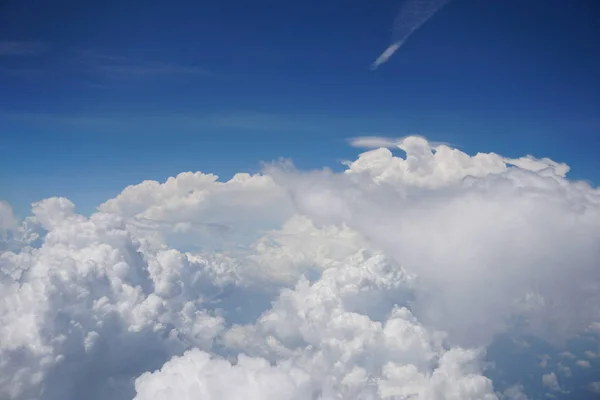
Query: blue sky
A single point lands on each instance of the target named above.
(99, 95)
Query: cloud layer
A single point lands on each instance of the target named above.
(385, 281)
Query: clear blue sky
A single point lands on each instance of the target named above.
(98, 95)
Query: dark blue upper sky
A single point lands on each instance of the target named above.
(98, 95)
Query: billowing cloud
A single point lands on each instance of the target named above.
(350, 331)
(491, 239)
(194, 206)
(196, 375)
(385, 281)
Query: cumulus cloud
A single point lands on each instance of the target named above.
(87, 311)
(563, 369)
(490, 240)
(385, 281)
(591, 354)
(328, 339)
(514, 393)
(567, 354)
(551, 382)
(594, 387)
(196, 375)
(583, 363)
(196, 210)
(544, 360)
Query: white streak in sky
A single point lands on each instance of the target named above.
(386, 55)
(412, 15)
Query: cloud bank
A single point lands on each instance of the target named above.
(385, 281)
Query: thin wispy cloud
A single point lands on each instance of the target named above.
(148, 70)
(375, 142)
(90, 65)
(22, 48)
(117, 66)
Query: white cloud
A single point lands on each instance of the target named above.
(196, 375)
(563, 369)
(591, 354)
(488, 240)
(373, 142)
(583, 363)
(594, 387)
(384, 281)
(88, 311)
(544, 360)
(12, 233)
(117, 66)
(385, 56)
(195, 209)
(530, 163)
(8, 222)
(514, 393)
(551, 382)
(567, 354)
(424, 166)
(347, 331)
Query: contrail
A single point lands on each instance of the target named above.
(386, 55)
(412, 15)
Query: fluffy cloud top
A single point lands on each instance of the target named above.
(385, 281)
(87, 311)
(193, 205)
(196, 376)
(490, 240)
